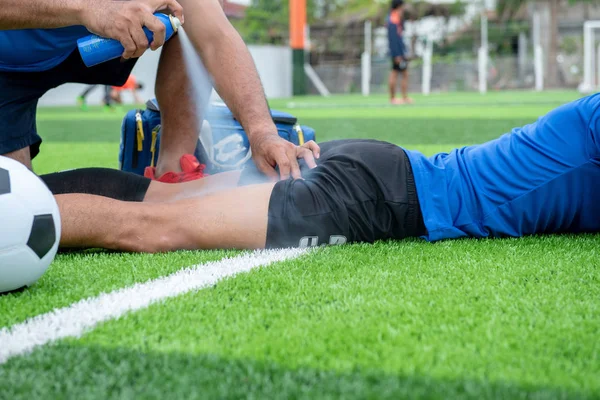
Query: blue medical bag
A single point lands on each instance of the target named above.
(222, 142)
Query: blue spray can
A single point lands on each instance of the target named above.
(95, 49)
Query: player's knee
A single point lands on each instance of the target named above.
(139, 240)
(161, 243)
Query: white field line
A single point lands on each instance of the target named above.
(81, 317)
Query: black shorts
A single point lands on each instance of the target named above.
(399, 66)
(20, 92)
(361, 191)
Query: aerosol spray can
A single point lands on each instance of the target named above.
(95, 49)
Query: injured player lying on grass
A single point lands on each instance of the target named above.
(541, 178)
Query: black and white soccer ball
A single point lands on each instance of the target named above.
(29, 226)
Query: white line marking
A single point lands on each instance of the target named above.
(81, 317)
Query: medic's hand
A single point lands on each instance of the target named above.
(308, 151)
(124, 20)
(270, 150)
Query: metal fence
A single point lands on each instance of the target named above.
(504, 73)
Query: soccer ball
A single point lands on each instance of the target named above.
(29, 226)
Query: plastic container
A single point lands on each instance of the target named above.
(95, 49)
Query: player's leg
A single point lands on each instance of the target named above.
(393, 80)
(126, 186)
(159, 192)
(542, 177)
(87, 91)
(82, 98)
(234, 218)
(362, 191)
(111, 73)
(118, 210)
(22, 155)
(110, 96)
(404, 85)
(136, 94)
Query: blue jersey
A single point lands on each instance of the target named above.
(395, 28)
(34, 50)
(541, 178)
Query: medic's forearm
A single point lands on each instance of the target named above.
(28, 14)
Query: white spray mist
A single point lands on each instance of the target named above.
(202, 86)
(199, 77)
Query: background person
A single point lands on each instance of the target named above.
(132, 86)
(395, 28)
(82, 98)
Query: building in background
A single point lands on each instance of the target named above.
(563, 58)
(234, 10)
(337, 42)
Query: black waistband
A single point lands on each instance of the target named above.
(415, 224)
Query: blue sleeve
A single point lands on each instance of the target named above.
(395, 41)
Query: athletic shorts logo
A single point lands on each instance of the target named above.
(309, 241)
(313, 241)
(337, 240)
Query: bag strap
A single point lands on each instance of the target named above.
(285, 120)
(152, 105)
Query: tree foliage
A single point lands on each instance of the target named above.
(267, 21)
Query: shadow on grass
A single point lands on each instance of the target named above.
(84, 251)
(15, 291)
(77, 371)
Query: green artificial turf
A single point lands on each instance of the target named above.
(58, 156)
(78, 275)
(514, 318)
(453, 99)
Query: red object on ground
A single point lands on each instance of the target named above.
(191, 170)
